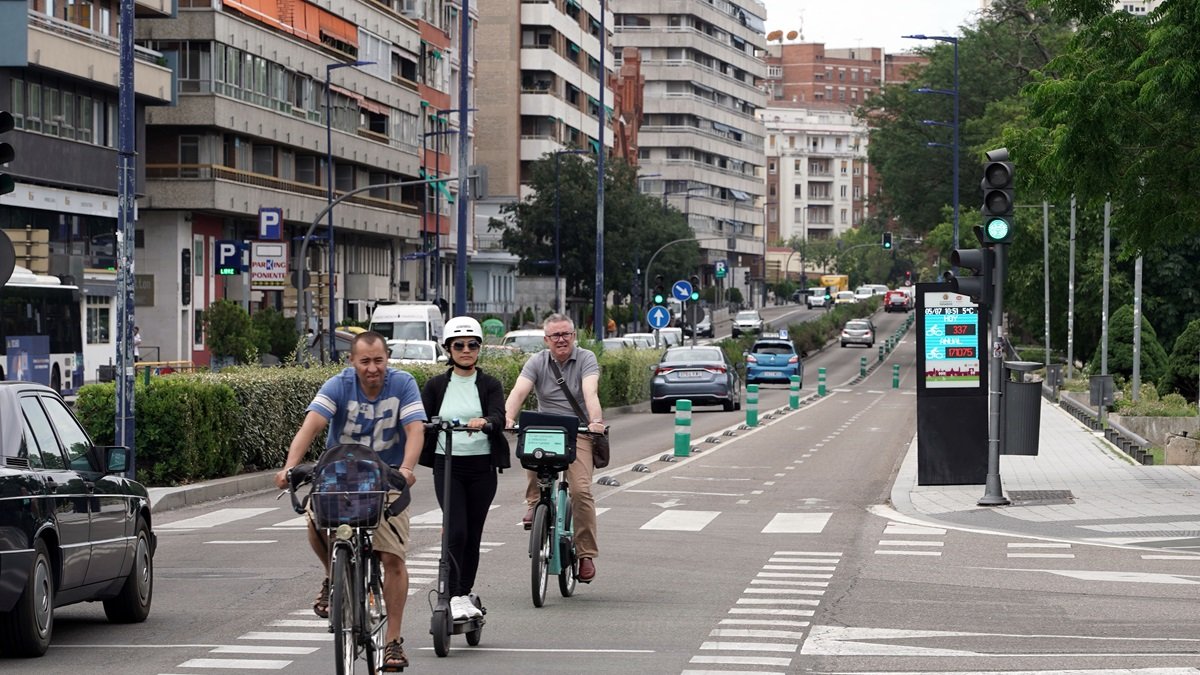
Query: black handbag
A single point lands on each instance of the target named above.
(600, 449)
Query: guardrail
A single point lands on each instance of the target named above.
(1130, 443)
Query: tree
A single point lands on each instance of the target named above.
(1120, 347)
(1183, 366)
(228, 331)
(635, 225)
(274, 333)
(1115, 116)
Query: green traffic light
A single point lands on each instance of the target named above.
(997, 229)
(658, 299)
(695, 296)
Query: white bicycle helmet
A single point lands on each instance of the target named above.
(462, 326)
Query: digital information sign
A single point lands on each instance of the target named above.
(950, 326)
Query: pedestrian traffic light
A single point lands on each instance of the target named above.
(997, 198)
(978, 286)
(659, 296)
(695, 288)
(887, 241)
(7, 184)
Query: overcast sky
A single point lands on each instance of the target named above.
(869, 23)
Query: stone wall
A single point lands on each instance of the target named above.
(1159, 430)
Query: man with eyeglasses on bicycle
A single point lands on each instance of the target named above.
(379, 407)
(581, 373)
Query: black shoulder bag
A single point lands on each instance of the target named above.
(599, 441)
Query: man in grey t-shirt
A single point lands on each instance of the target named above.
(581, 374)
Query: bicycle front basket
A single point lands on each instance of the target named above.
(545, 448)
(349, 487)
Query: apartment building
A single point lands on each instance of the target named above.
(540, 73)
(59, 67)
(249, 132)
(702, 139)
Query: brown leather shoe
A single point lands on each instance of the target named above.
(527, 521)
(587, 570)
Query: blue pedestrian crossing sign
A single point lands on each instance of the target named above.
(682, 290)
(658, 317)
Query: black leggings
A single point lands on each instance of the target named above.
(472, 488)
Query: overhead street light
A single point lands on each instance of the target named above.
(329, 68)
(953, 125)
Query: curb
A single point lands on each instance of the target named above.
(169, 498)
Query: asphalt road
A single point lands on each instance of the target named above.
(773, 550)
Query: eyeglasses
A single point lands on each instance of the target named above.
(472, 345)
(560, 337)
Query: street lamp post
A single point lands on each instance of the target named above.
(598, 300)
(954, 125)
(558, 226)
(437, 189)
(329, 68)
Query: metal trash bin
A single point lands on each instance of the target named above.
(106, 373)
(1021, 411)
(1100, 390)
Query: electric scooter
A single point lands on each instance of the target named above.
(442, 625)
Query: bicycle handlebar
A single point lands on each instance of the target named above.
(439, 424)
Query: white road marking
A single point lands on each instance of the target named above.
(906, 552)
(242, 541)
(906, 542)
(297, 522)
(1040, 544)
(791, 575)
(763, 622)
(299, 623)
(236, 664)
(1041, 555)
(802, 561)
(778, 601)
(854, 641)
(797, 523)
(780, 475)
(730, 672)
(836, 554)
(1168, 557)
(264, 649)
(743, 501)
(787, 582)
(738, 661)
(218, 517)
(896, 528)
(769, 482)
(681, 520)
(784, 591)
(1126, 577)
(291, 637)
(689, 492)
(770, 612)
(749, 646)
(746, 633)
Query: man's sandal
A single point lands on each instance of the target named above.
(394, 659)
(321, 604)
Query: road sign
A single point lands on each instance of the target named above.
(720, 269)
(658, 317)
(268, 266)
(269, 220)
(228, 258)
(681, 290)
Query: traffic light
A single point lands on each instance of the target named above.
(978, 286)
(7, 184)
(659, 297)
(746, 277)
(695, 288)
(908, 277)
(887, 241)
(997, 198)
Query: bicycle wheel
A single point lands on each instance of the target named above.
(439, 627)
(474, 635)
(375, 624)
(539, 553)
(341, 611)
(568, 577)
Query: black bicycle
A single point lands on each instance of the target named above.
(357, 612)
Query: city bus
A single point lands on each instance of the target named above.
(41, 306)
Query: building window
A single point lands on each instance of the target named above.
(843, 216)
(771, 166)
(17, 102)
(99, 312)
(797, 166)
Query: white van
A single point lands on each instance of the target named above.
(408, 321)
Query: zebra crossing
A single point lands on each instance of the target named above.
(768, 623)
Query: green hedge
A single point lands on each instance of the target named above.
(194, 427)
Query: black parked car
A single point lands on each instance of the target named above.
(72, 527)
(700, 374)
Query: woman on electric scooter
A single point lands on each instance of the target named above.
(466, 393)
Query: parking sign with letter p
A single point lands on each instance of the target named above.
(270, 222)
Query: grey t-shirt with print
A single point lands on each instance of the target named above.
(550, 396)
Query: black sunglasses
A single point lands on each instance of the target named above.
(472, 345)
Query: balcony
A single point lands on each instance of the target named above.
(208, 187)
(72, 50)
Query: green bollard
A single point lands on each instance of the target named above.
(820, 381)
(145, 376)
(895, 376)
(881, 352)
(794, 392)
(683, 428)
(752, 405)
(862, 366)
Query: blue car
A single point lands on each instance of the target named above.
(773, 359)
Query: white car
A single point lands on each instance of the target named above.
(405, 352)
(863, 293)
(642, 340)
(614, 343)
(529, 341)
(747, 321)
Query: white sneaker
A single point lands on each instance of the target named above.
(458, 608)
(472, 610)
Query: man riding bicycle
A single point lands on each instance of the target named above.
(379, 407)
(581, 374)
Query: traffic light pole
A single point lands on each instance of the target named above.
(993, 494)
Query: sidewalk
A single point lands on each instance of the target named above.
(1112, 500)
